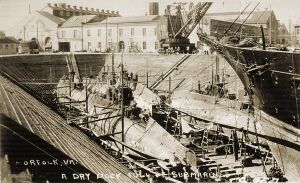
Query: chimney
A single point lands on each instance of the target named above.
(113, 12)
(81, 7)
(49, 4)
(97, 10)
(107, 11)
(74, 7)
(69, 6)
(117, 12)
(62, 5)
(102, 11)
(92, 9)
(86, 8)
(55, 5)
(153, 8)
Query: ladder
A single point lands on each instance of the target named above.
(72, 65)
(205, 141)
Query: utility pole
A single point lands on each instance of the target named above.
(118, 38)
(37, 32)
(81, 36)
(24, 32)
(106, 32)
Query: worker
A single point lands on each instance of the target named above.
(235, 145)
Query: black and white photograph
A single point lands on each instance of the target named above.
(149, 91)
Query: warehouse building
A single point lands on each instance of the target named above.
(128, 34)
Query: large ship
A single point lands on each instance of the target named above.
(271, 78)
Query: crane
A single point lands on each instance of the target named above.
(180, 29)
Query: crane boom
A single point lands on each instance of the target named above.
(195, 15)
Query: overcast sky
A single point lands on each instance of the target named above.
(12, 11)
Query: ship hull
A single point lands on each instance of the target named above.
(271, 78)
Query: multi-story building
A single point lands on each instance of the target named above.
(70, 34)
(65, 11)
(131, 34)
(7, 45)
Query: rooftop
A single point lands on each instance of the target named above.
(76, 21)
(259, 17)
(7, 40)
(51, 17)
(66, 7)
(128, 19)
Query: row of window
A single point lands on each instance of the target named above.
(132, 44)
(6, 46)
(68, 13)
(121, 31)
(76, 33)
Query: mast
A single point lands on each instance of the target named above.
(270, 31)
(246, 19)
(122, 103)
(234, 21)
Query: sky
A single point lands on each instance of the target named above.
(13, 11)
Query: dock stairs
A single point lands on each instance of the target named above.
(165, 75)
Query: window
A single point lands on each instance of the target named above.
(75, 33)
(109, 32)
(63, 34)
(61, 13)
(88, 33)
(144, 31)
(11, 46)
(110, 45)
(68, 14)
(99, 45)
(6, 46)
(132, 32)
(144, 45)
(298, 31)
(156, 45)
(132, 44)
(99, 32)
(89, 45)
(155, 31)
(120, 32)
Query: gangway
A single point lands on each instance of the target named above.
(72, 65)
(164, 76)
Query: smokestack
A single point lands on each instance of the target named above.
(153, 8)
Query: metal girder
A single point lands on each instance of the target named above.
(93, 121)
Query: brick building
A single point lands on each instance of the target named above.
(265, 18)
